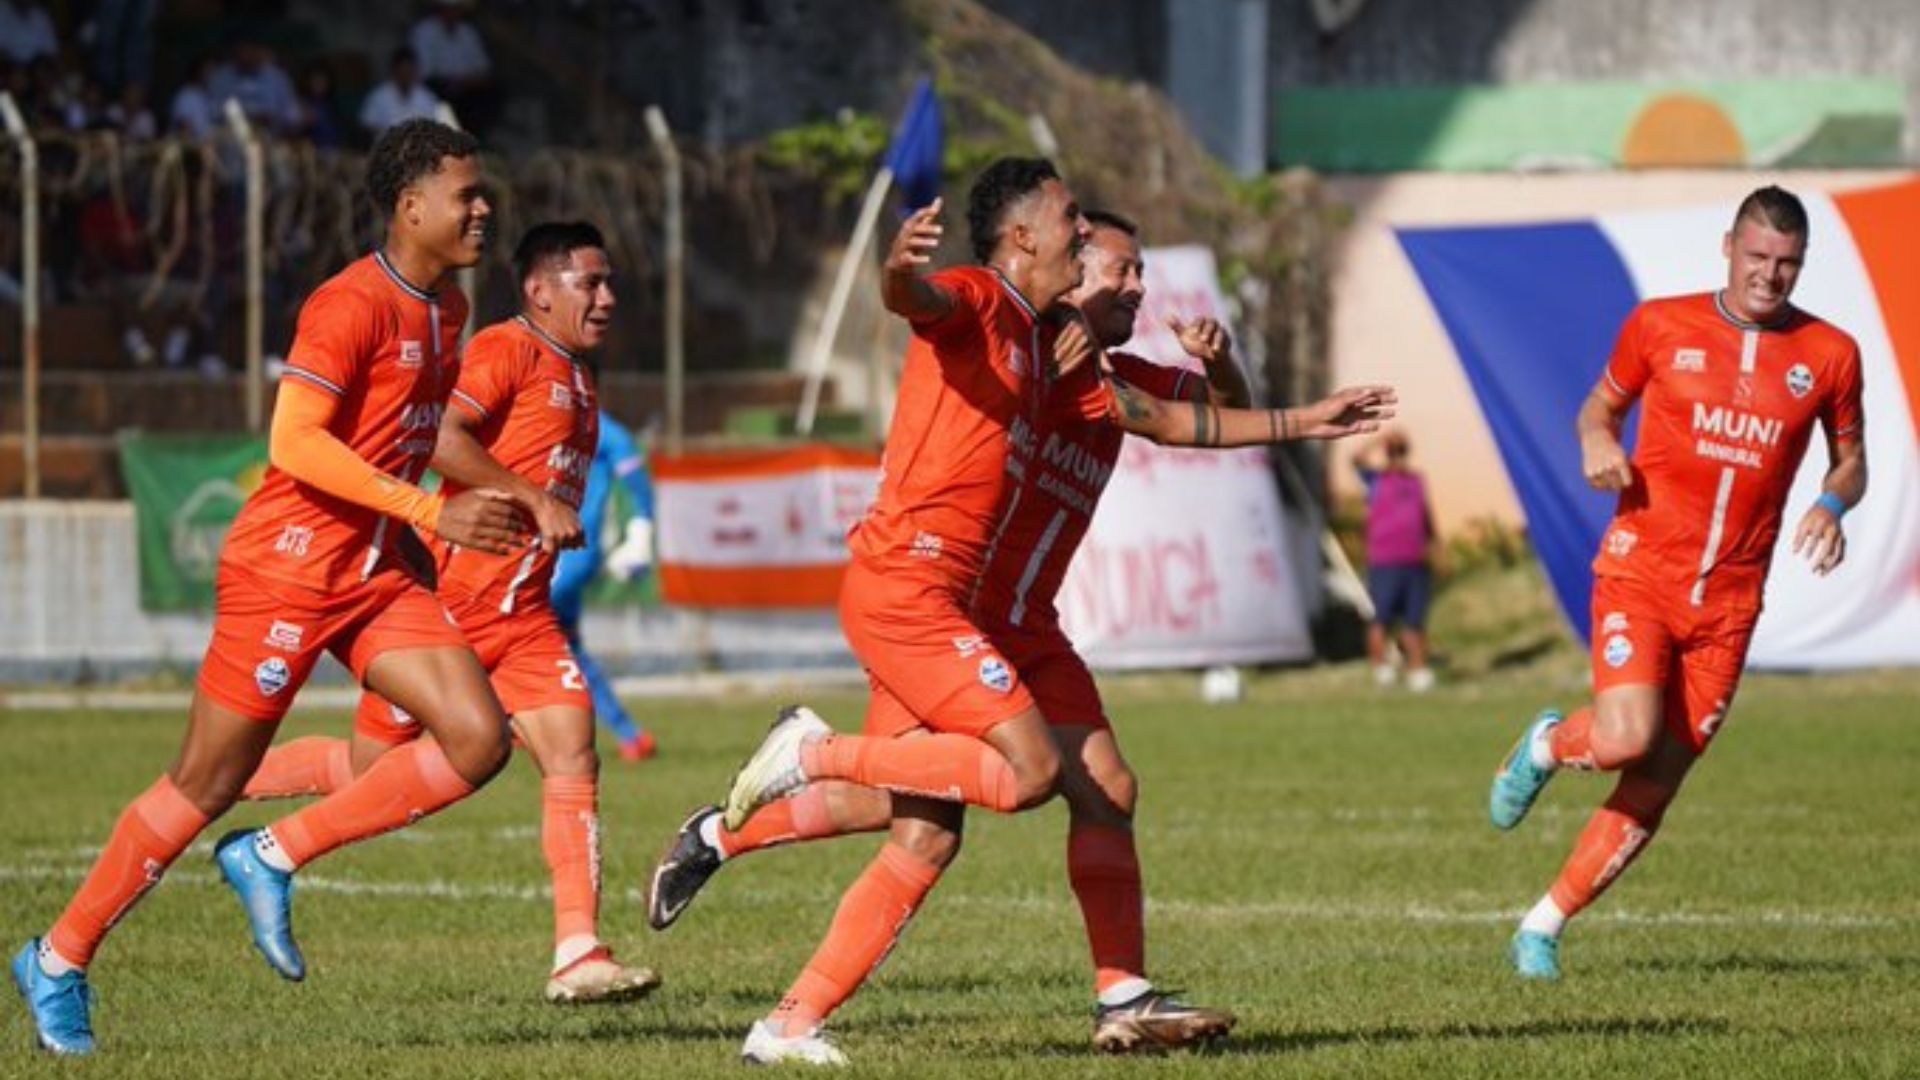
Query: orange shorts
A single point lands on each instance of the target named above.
(1643, 637)
(928, 665)
(1056, 676)
(527, 660)
(268, 635)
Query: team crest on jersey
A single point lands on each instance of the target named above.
(285, 636)
(995, 675)
(1619, 650)
(412, 354)
(1620, 542)
(272, 676)
(1799, 380)
(1690, 360)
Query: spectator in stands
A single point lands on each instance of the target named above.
(129, 114)
(455, 64)
(260, 84)
(319, 118)
(194, 112)
(402, 97)
(1399, 576)
(26, 32)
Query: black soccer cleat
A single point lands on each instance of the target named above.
(684, 869)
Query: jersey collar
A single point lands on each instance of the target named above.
(1720, 305)
(1014, 291)
(406, 286)
(553, 344)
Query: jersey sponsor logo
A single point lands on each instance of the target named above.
(1620, 542)
(412, 354)
(968, 645)
(1076, 461)
(1690, 360)
(285, 636)
(271, 676)
(294, 540)
(1618, 651)
(1614, 623)
(925, 546)
(1743, 390)
(559, 395)
(1736, 425)
(995, 675)
(1799, 380)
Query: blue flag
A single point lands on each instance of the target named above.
(917, 151)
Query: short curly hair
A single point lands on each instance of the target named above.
(999, 186)
(408, 151)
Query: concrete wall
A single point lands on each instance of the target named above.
(1384, 330)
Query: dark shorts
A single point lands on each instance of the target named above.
(1400, 595)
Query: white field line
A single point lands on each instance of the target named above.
(1291, 911)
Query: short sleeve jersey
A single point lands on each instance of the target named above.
(1058, 487)
(539, 417)
(967, 395)
(1727, 410)
(390, 352)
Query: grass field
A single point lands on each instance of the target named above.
(1317, 857)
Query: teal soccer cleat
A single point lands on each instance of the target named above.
(1535, 955)
(1518, 782)
(61, 1004)
(267, 896)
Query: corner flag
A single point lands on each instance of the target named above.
(917, 150)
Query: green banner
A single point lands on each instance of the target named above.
(186, 491)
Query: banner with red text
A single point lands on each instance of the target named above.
(758, 528)
(1187, 563)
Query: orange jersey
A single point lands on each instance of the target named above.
(970, 386)
(1057, 489)
(390, 353)
(539, 418)
(1727, 409)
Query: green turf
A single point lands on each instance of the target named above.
(1318, 859)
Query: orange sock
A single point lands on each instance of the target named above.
(152, 832)
(405, 785)
(1616, 835)
(805, 816)
(570, 837)
(872, 914)
(951, 767)
(315, 765)
(1105, 871)
(1572, 741)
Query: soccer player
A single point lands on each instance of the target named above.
(618, 457)
(309, 567)
(524, 420)
(1732, 383)
(1049, 512)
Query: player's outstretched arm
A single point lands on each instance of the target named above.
(1207, 341)
(1356, 410)
(1819, 536)
(458, 456)
(1603, 461)
(902, 289)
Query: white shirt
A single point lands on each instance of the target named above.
(449, 52)
(25, 32)
(387, 105)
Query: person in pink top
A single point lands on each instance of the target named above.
(1399, 573)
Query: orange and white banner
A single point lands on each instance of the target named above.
(759, 528)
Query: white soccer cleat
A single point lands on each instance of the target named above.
(774, 770)
(811, 1047)
(597, 977)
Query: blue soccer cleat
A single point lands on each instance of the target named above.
(1535, 955)
(1518, 782)
(267, 896)
(61, 1004)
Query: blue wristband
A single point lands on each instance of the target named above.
(1831, 503)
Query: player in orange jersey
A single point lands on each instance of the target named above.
(525, 420)
(1058, 478)
(308, 567)
(1731, 385)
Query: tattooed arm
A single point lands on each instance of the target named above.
(1353, 411)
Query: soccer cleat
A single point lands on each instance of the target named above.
(597, 978)
(1518, 781)
(688, 863)
(774, 769)
(641, 747)
(1156, 1021)
(811, 1047)
(1535, 955)
(61, 1005)
(267, 896)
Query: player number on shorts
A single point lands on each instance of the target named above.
(570, 678)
